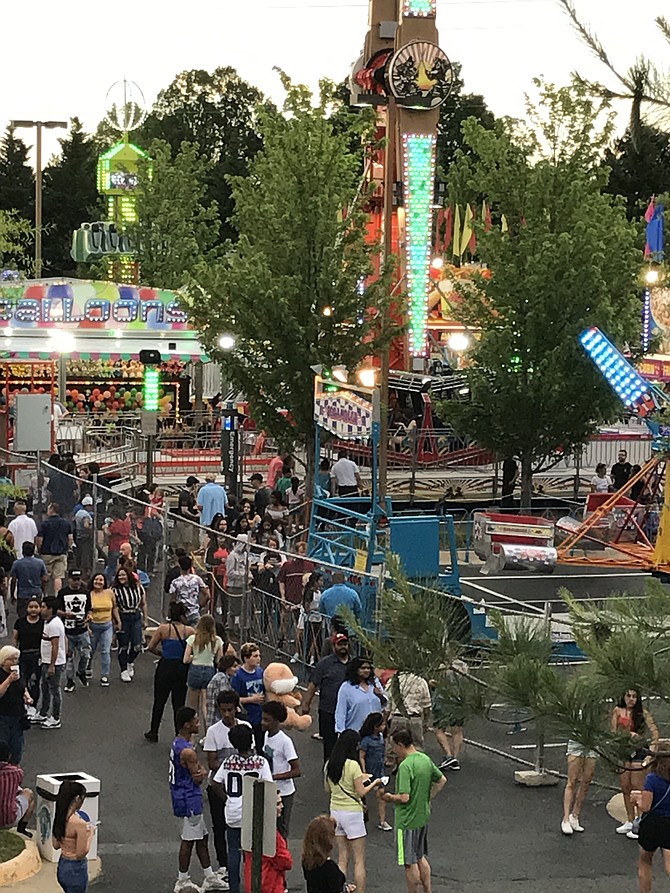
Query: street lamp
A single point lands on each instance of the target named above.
(38, 125)
(227, 342)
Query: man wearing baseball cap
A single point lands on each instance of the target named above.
(83, 528)
(187, 534)
(327, 676)
(74, 603)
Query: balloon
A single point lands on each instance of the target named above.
(115, 404)
(74, 393)
(133, 391)
(80, 405)
(107, 395)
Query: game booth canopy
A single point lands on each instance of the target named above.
(100, 327)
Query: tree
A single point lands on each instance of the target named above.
(70, 198)
(301, 249)
(16, 236)
(639, 168)
(17, 195)
(218, 112)
(177, 228)
(566, 260)
(458, 108)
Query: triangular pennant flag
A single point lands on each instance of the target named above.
(448, 229)
(467, 229)
(503, 224)
(486, 214)
(457, 232)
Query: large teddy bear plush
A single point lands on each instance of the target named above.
(280, 684)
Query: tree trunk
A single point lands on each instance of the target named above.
(526, 482)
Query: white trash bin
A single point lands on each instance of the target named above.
(46, 792)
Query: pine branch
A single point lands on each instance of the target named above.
(592, 42)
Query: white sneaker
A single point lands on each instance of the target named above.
(625, 828)
(131, 670)
(567, 828)
(295, 658)
(30, 711)
(574, 822)
(632, 835)
(38, 717)
(51, 723)
(125, 676)
(214, 882)
(186, 886)
(223, 874)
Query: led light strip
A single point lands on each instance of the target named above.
(646, 319)
(419, 8)
(418, 155)
(625, 380)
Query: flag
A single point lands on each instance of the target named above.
(503, 224)
(448, 229)
(467, 230)
(486, 217)
(457, 232)
(655, 247)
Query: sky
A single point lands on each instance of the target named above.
(60, 59)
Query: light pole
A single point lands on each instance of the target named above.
(38, 125)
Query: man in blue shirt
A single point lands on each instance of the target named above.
(212, 500)
(28, 578)
(248, 683)
(53, 540)
(337, 596)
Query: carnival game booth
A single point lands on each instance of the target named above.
(98, 330)
(514, 542)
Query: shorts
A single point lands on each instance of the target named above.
(412, 845)
(199, 677)
(638, 756)
(349, 824)
(654, 833)
(21, 806)
(56, 565)
(193, 827)
(575, 749)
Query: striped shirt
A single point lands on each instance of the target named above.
(11, 778)
(129, 598)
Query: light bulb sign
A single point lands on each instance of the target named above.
(152, 380)
(343, 413)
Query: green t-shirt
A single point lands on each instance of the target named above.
(416, 775)
(343, 795)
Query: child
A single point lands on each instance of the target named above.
(273, 876)
(280, 753)
(371, 756)
(321, 873)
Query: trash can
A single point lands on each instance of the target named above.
(46, 791)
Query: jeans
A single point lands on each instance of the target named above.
(129, 638)
(112, 564)
(84, 552)
(29, 667)
(12, 734)
(101, 634)
(217, 811)
(72, 875)
(170, 679)
(79, 653)
(51, 693)
(234, 839)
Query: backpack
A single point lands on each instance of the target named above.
(7, 554)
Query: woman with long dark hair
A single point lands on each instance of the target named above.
(630, 717)
(347, 785)
(359, 695)
(72, 835)
(169, 642)
(131, 601)
(654, 803)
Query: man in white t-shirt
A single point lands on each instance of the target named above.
(227, 783)
(22, 527)
(217, 748)
(53, 657)
(345, 476)
(280, 753)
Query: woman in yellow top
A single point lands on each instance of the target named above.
(347, 785)
(103, 618)
(204, 649)
(72, 835)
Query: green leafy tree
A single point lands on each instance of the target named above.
(458, 108)
(16, 237)
(639, 168)
(567, 260)
(70, 198)
(217, 111)
(17, 180)
(301, 250)
(177, 232)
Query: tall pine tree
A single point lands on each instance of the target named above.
(70, 198)
(17, 192)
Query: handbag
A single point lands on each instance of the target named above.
(366, 816)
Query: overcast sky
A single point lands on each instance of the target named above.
(59, 59)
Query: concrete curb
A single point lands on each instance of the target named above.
(45, 881)
(21, 867)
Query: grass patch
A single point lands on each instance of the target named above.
(10, 846)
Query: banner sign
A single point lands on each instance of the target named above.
(343, 414)
(90, 306)
(656, 369)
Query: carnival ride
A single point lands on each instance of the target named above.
(616, 531)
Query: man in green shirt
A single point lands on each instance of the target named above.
(417, 782)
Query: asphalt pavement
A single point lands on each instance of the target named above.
(487, 833)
